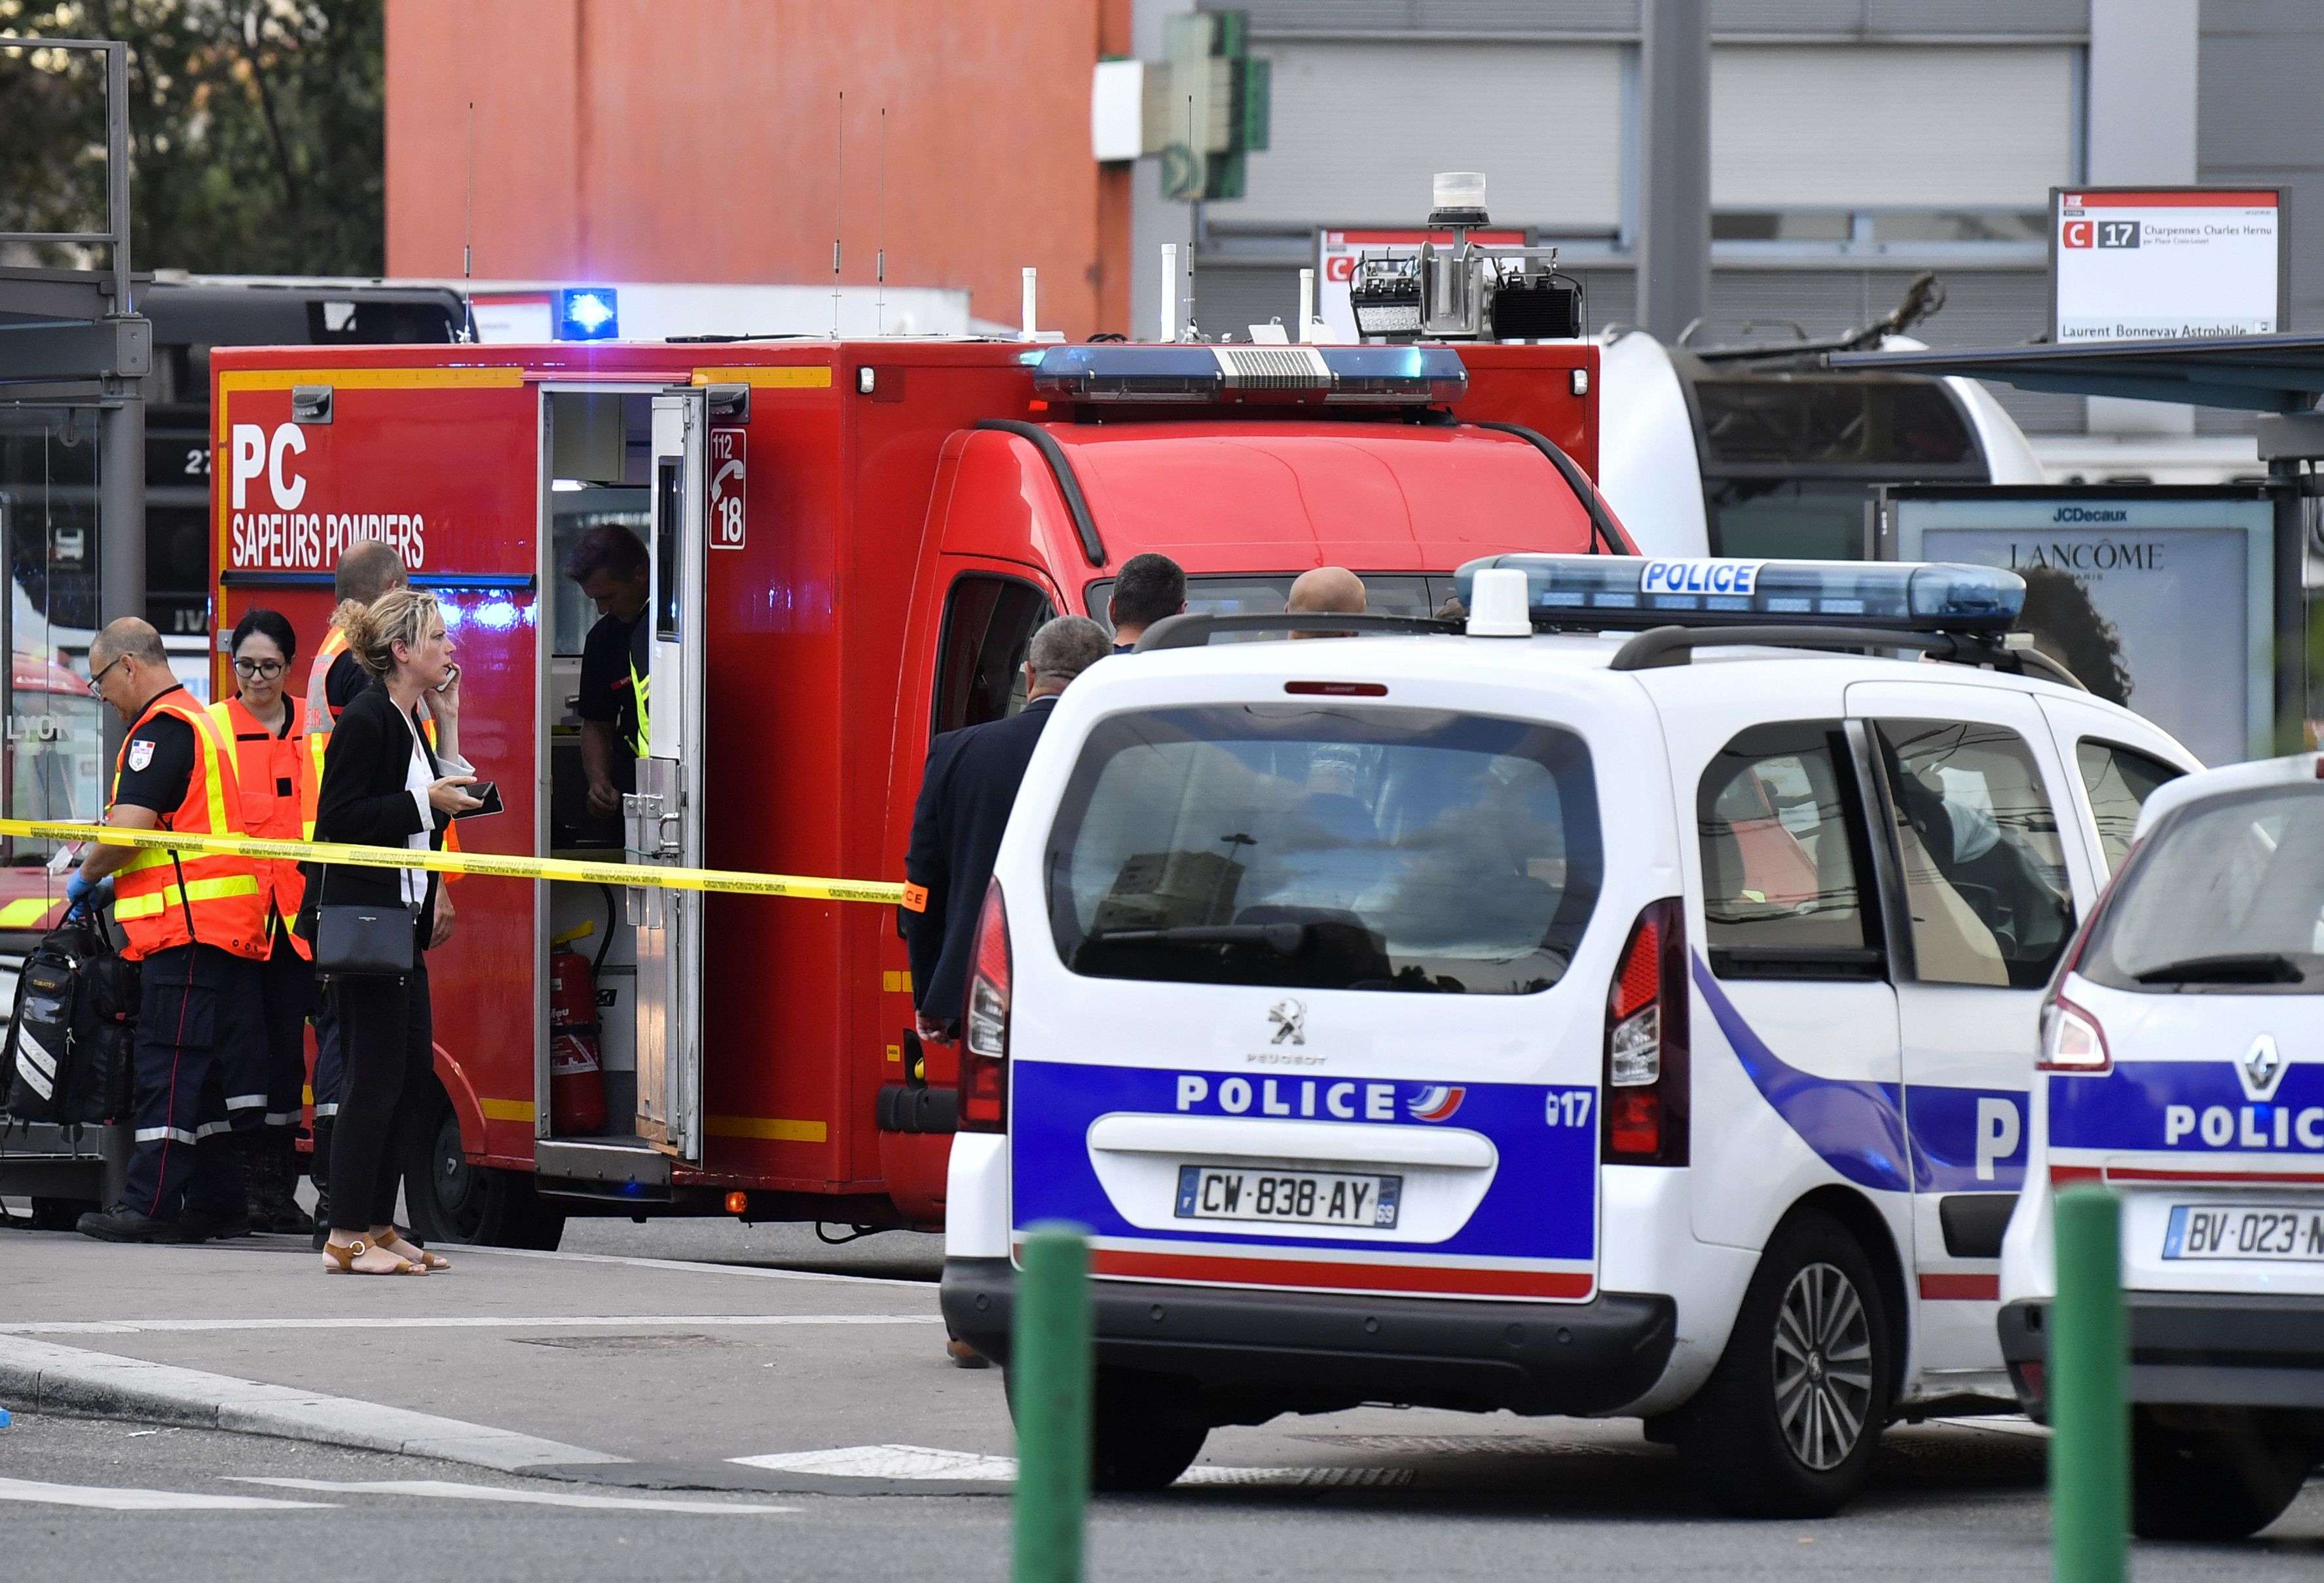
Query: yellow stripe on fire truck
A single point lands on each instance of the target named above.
(724, 881)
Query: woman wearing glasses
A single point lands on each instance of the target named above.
(280, 768)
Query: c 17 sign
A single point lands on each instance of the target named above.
(2165, 263)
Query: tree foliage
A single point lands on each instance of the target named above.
(258, 140)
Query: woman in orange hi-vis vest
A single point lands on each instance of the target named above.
(279, 765)
(197, 924)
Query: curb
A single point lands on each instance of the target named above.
(42, 1376)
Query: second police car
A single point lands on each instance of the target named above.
(1622, 1006)
(2182, 1066)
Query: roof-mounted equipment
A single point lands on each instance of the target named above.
(1465, 291)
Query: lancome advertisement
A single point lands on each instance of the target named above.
(2157, 598)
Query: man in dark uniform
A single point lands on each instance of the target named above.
(1150, 586)
(197, 925)
(616, 662)
(966, 792)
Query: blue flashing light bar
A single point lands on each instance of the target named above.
(1223, 376)
(1626, 591)
(587, 313)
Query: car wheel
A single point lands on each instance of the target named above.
(453, 1199)
(2225, 1480)
(1143, 1435)
(1788, 1422)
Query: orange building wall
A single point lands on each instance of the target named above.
(698, 140)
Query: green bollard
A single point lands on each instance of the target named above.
(1049, 1387)
(2089, 1445)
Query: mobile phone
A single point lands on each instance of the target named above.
(487, 792)
(450, 676)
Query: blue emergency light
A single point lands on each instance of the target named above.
(587, 313)
(1628, 591)
(1218, 375)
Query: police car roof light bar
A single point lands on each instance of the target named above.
(1613, 592)
(1219, 375)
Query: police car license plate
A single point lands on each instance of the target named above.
(2245, 1231)
(1305, 1197)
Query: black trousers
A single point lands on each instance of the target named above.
(387, 1030)
(199, 1045)
(287, 992)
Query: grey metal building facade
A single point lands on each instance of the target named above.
(1854, 143)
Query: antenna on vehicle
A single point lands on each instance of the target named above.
(879, 238)
(1193, 228)
(468, 219)
(838, 210)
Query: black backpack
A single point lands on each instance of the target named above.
(68, 1051)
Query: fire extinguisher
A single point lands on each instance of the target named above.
(576, 1085)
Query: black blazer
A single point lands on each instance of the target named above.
(966, 792)
(364, 802)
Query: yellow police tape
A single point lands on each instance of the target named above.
(727, 881)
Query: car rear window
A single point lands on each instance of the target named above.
(2227, 897)
(1326, 847)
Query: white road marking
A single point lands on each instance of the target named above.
(43, 1375)
(930, 1462)
(145, 1500)
(454, 1322)
(699, 1267)
(444, 1489)
(888, 1462)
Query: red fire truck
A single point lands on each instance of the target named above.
(852, 543)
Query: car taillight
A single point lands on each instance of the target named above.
(1645, 1099)
(2071, 1040)
(985, 1029)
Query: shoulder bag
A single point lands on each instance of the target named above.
(362, 939)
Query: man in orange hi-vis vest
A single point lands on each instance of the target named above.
(196, 926)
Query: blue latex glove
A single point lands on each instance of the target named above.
(78, 890)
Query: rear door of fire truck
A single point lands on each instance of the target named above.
(664, 816)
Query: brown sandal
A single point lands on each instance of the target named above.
(395, 1242)
(343, 1257)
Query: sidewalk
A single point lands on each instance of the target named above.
(602, 1361)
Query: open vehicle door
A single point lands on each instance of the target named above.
(664, 816)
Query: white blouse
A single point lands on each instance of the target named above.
(417, 779)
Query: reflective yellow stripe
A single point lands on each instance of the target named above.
(772, 1128)
(507, 1109)
(24, 912)
(200, 890)
(205, 730)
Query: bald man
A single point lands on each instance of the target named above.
(1328, 590)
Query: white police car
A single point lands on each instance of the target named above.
(2184, 1065)
(1546, 1021)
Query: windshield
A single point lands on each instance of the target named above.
(1260, 594)
(2226, 898)
(1326, 848)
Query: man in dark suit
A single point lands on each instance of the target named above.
(966, 792)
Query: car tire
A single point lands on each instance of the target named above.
(451, 1199)
(1143, 1434)
(1789, 1421)
(2227, 1480)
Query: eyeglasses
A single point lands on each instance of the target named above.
(265, 669)
(96, 682)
